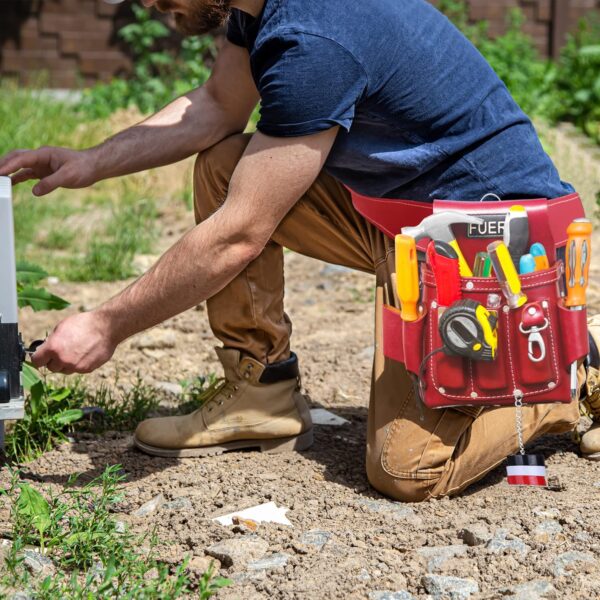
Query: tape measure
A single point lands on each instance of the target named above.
(468, 329)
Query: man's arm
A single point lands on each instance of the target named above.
(187, 126)
(269, 179)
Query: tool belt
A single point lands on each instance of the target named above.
(537, 343)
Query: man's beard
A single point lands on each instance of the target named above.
(201, 16)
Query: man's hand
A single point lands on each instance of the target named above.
(79, 344)
(54, 167)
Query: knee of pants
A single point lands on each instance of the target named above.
(212, 173)
(411, 488)
(403, 489)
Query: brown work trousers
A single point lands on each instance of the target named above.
(408, 458)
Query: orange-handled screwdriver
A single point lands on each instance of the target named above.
(578, 258)
(407, 276)
(579, 253)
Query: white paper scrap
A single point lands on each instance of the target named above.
(263, 513)
(320, 416)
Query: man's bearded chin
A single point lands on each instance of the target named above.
(201, 16)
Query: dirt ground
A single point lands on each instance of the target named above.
(346, 540)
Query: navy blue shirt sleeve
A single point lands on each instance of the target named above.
(307, 84)
(234, 30)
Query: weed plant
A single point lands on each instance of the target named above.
(94, 556)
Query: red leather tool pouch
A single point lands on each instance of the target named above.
(534, 353)
(531, 361)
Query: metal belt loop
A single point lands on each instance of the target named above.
(495, 196)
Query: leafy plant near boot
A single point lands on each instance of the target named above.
(198, 390)
(94, 555)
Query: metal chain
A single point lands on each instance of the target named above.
(519, 419)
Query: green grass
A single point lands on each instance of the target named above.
(79, 235)
(93, 556)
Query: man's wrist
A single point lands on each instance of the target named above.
(111, 325)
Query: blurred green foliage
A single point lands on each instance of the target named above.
(566, 90)
(158, 76)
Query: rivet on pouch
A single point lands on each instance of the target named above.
(474, 395)
(470, 285)
(442, 390)
(506, 308)
(545, 304)
(551, 385)
(434, 304)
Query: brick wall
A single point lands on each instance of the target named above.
(75, 41)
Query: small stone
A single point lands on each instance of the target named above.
(454, 588)
(21, 596)
(539, 589)
(547, 531)
(475, 534)
(238, 551)
(179, 504)
(149, 507)
(38, 564)
(564, 561)
(120, 527)
(273, 561)
(172, 389)
(97, 571)
(201, 564)
(396, 510)
(155, 339)
(546, 513)
(436, 556)
(363, 575)
(381, 595)
(53, 280)
(500, 544)
(151, 574)
(315, 538)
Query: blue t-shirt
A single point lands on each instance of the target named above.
(422, 114)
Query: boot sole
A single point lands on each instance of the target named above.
(594, 456)
(270, 446)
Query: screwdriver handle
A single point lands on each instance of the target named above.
(407, 276)
(578, 258)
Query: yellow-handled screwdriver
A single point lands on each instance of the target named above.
(578, 258)
(507, 275)
(407, 276)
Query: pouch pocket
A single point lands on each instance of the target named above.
(574, 334)
(447, 372)
(493, 375)
(534, 351)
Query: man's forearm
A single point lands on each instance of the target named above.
(186, 126)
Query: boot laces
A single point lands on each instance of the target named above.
(223, 391)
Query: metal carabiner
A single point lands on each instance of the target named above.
(535, 339)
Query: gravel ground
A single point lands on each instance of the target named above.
(345, 540)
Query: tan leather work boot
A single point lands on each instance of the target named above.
(257, 406)
(590, 441)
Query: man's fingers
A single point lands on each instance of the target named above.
(23, 175)
(5, 160)
(25, 160)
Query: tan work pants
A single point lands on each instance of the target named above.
(407, 458)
